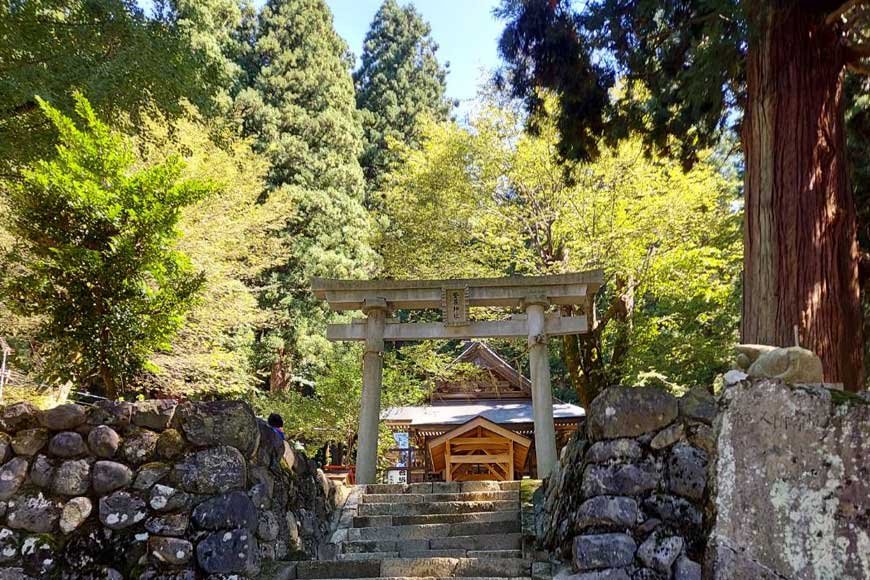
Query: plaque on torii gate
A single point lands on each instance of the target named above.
(532, 294)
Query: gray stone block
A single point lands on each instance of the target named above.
(619, 479)
(614, 449)
(603, 551)
(659, 552)
(629, 412)
(604, 510)
(687, 471)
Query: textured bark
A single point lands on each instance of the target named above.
(800, 252)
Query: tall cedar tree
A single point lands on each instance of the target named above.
(398, 82)
(302, 115)
(93, 253)
(214, 29)
(123, 61)
(782, 63)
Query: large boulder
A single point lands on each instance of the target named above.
(63, 417)
(155, 414)
(72, 477)
(603, 551)
(212, 471)
(698, 404)
(121, 510)
(687, 471)
(103, 441)
(12, 475)
(614, 449)
(18, 416)
(630, 411)
(139, 446)
(112, 413)
(170, 551)
(607, 511)
(29, 441)
(67, 444)
(659, 552)
(229, 552)
(619, 479)
(42, 471)
(74, 514)
(227, 511)
(230, 423)
(33, 513)
(111, 475)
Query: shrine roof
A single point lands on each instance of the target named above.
(499, 412)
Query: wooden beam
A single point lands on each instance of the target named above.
(447, 459)
(482, 459)
(554, 325)
(510, 473)
(560, 289)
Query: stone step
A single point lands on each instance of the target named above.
(433, 531)
(415, 568)
(443, 507)
(395, 498)
(442, 487)
(476, 517)
(494, 554)
(497, 542)
(454, 553)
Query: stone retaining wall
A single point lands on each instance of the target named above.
(766, 482)
(627, 501)
(153, 490)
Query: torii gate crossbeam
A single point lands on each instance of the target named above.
(533, 294)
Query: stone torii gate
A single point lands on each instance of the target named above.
(533, 294)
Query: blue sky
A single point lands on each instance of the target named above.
(465, 30)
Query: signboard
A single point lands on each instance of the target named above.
(454, 305)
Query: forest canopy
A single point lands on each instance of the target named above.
(171, 180)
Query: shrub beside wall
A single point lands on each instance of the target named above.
(153, 490)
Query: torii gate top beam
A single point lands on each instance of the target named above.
(558, 289)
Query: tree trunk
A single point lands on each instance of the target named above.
(800, 250)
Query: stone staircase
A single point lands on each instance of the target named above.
(428, 530)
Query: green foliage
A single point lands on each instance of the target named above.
(330, 413)
(667, 239)
(227, 237)
(689, 55)
(107, 49)
(301, 114)
(399, 83)
(212, 28)
(92, 254)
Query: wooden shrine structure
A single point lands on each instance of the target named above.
(488, 388)
(534, 295)
(479, 449)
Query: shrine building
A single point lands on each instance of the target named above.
(478, 427)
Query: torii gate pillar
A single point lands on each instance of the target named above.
(542, 396)
(370, 405)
